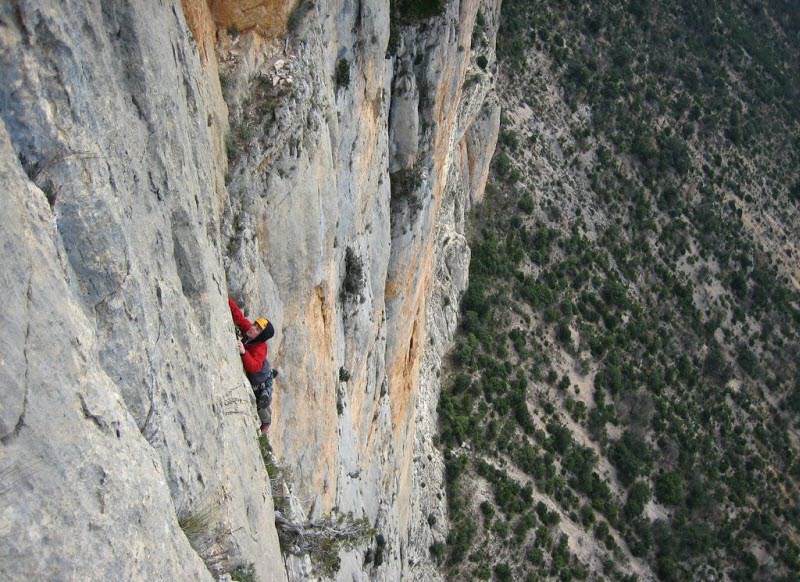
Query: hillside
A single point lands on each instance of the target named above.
(623, 398)
(313, 160)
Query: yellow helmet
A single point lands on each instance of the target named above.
(262, 323)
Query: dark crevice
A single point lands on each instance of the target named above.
(30, 166)
(10, 437)
(140, 112)
(20, 21)
(37, 173)
(149, 432)
(99, 423)
(359, 16)
(111, 181)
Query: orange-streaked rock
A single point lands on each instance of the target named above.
(268, 17)
(201, 23)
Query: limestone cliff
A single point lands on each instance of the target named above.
(156, 158)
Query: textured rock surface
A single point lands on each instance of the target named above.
(429, 510)
(115, 172)
(132, 409)
(266, 16)
(78, 478)
(472, 152)
(310, 182)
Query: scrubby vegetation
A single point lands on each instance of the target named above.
(409, 11)
(354, 277)
(342, 77)
(244, 573)
(627, 365)
(323, 539)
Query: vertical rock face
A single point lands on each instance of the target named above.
(125, 411)
(477, 124)
(335, 208)
(362, 179)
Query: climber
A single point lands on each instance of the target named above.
(253, 349)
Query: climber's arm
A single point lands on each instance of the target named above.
(238, 317)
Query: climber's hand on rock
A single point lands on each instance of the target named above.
(240, 345)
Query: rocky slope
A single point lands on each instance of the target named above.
(623, 394)
(314, 161)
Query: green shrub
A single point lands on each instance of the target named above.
(526, 204)
(459, 539)
(354, 278)
(748, 361)
(503, 572)
(410, 11)
(482, 572)
(563, 333)
(404, 184)
(244, 573)
(380, 549)
(669, 488)
(342, 76)
(535, 556)
(631, 456)
(487, 509)
(340, 399)
(437, 551)
(638, 496)
(560, 437)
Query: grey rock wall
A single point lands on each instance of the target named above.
(127, 410)
(319, 176)
(77, 479)
(473, 146)
(144, 180)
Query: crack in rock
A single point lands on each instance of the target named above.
(98, 421)
(10, 437)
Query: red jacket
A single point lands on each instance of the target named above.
(255, 353)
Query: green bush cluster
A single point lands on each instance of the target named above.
(682, 154)
(342, 76)
(354, 278)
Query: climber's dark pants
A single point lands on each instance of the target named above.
(263, 393)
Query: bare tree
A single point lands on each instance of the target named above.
(323, 538)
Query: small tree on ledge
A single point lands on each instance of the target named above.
(323, 539)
